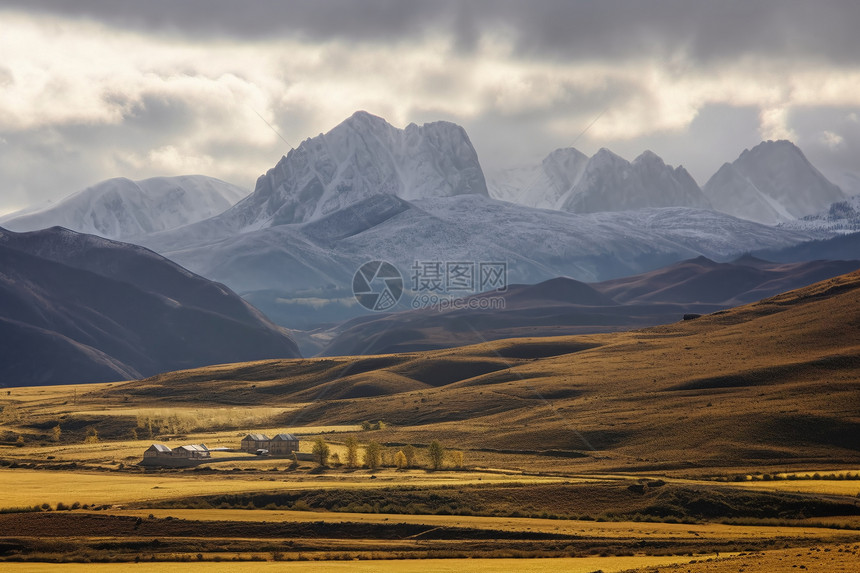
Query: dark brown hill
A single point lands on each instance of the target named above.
(77, 308)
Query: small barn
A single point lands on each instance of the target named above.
(283, 445)
(253, 442)
(157, 451)
(192, 452)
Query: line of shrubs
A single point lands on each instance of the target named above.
(790, 477)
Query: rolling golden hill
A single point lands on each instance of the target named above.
(772, 383)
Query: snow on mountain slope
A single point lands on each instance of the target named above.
(842, 218)
(770, 183)
(539, 186)
(569, 181)
(123, 209)
(536, 244)
(361, 157)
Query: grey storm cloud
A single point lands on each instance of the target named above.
(707, 30)
(93, 89)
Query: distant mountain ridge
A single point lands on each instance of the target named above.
(77, 308)
(124, 209)
(567, 180)
(771, 183)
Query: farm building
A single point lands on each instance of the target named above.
(283, 444)
(253, 442)
(192, 452)
(157, 451)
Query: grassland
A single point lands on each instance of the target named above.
(575, 565)
(668, 443)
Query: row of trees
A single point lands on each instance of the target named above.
(374, 454)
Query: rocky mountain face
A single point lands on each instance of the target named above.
(362, 157)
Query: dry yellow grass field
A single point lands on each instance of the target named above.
(841, 558)
(620, 529)
(574, 565)
(23, 487)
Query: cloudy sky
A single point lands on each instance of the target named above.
(97, 89)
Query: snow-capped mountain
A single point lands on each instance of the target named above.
(611, 183)
(567, 180)
(770, 183)
(368, 191)
(123, 209)
(361, 157)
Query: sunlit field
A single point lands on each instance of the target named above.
(577, 565)
(29, 487)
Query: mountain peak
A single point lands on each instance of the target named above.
(603, 154)
(363, 156)
(771, 183)
(649, 156)
(365, 119)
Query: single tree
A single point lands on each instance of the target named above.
(56, 433)
(351, 452)
(436, 454)
(400, 460)
(320, 452)
(457, 459)
(92, 436)
(372, 455)
(411, 454)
